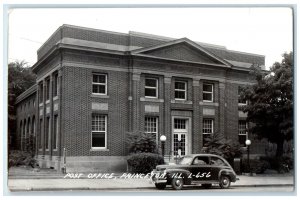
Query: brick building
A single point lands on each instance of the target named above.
(94, 86)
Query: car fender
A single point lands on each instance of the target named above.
(227, 172)
(185, 174)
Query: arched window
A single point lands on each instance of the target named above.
(21, 128)
(28, 127)
(24, 129)
(33, 126)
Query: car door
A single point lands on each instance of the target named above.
(216, 165)
(200, 168)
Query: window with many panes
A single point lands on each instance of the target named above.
(208, 92)
(41, 90)
(55, 132)
(242, 131)
(99, 131)
(55, 85)
(180, 90)
(208, 129)
(179, 123)
(41, 133)
(241, 101)
(151, 126)
(47, 89)
(47, 133)
(100, 84)
(151, 87)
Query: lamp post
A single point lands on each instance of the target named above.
(163, 139)
(248, 143)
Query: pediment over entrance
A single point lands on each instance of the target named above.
(181, 50)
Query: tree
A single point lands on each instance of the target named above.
(20, 78)
(270, 102)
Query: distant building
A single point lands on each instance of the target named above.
(94, 86)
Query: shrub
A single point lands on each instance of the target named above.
(17, 158)
(26, 157)
(144, 162)
(217, 144)
(141, 142)
(256, 166)
(277, 163)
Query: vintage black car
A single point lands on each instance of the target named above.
(204, 169)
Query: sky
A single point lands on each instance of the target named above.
(264, 31)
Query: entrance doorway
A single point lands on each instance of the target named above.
(180, 136)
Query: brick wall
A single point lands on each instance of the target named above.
(77, 114)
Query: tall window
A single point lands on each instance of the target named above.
(99, 131)
(180, 90)
(33, 126)
(21, 129)
(48, 89)
(47, 133)
(151, 87)
(241, 101)
(41, 133)
(100, 84)
(24, 129)
(207, 92)
(208, 129)
(41, 91)
(28, 127)
(242, 131)
(55, 133)
(55, 85)
(151, 126)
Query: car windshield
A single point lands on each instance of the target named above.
(186, 160)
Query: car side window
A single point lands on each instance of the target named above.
(217, 162)
(200, 161)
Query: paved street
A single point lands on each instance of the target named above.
(201, 190)
(60, 184)
(20, 180)
(191, 190)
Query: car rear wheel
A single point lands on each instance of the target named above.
(224, 182)
(177, 183)
(160, 186)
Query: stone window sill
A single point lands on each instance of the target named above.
(151, 99)
(100, 96)
(99, 149)
(208, 103)
(181, 101)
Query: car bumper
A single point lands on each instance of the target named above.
(157, 177)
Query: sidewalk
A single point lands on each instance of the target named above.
(48, 180)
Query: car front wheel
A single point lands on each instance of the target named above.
(177, 183)
(224, 182)
(160, 186)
